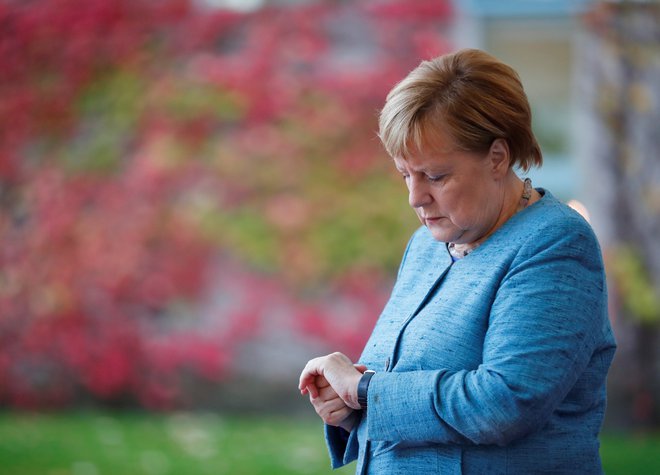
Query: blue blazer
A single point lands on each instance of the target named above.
(494, 364)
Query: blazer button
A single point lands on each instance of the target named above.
(387, 363)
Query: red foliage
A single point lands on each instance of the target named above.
(102, 259)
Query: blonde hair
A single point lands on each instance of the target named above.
(472, 95)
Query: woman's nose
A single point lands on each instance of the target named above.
(418, 193)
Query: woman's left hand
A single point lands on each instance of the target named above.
(340, 373)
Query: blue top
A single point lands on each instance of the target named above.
(495, 363)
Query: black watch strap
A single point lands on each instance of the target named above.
(363, 386)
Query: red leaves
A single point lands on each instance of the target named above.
(154, 151)
(420, 10)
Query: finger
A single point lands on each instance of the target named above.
(321, 382)
(304, 386)
(313, 391)
(332, 413)
(336, 417)
(360, 367)
(327, 393)
(323, 407)
(311, 370)
(327, 401)
(305, 380)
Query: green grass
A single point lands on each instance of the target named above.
(128, 443)
(630, 454)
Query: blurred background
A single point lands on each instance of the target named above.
(194, 202)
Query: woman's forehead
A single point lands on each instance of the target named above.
(425, 159)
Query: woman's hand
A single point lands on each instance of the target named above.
(338, 371)
(330, 407)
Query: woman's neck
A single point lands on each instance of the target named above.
(518, 196)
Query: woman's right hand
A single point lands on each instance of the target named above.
(330, 407)
(339, 372)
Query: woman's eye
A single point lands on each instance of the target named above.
(435, 178)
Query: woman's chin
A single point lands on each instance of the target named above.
(440, 234)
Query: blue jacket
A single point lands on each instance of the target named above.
(494, 364)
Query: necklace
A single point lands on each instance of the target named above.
(526, 195)
(522, 204)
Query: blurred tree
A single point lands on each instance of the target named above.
(620, 89)
(151, 144)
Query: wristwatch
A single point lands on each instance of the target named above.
(363, 386)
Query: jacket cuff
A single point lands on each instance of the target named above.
(342, 445)
(401, 407)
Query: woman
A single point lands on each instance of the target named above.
(491, 355)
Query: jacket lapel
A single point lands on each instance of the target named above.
(437, 263)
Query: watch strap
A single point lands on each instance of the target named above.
(363, 386)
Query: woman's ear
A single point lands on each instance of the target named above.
(500, 157)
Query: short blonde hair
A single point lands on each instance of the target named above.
(472, 95)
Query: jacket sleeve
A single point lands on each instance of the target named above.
(543, 324)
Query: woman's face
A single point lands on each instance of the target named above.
(459, 196)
